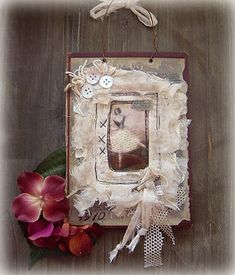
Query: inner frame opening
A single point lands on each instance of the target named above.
(128, 141)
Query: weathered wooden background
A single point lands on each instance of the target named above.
(37, 39)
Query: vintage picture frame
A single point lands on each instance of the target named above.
(109, 148)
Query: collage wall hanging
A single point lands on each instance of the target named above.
(126, 158)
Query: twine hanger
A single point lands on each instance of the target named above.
(106, 7)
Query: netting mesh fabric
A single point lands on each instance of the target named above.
(159, 216)
(154, 238)
(167, 230)
(181, 196)
(153, 247)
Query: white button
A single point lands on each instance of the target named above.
(92, 78)
(106, 82)
(87, 91)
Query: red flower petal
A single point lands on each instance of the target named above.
(84, 227)
(74, 230)
(65, 230)
(40, 229)
(30, 183)
(49, 242)
(53, 188)
(56, 231)
(80, 244)
(63, 247)
(95, 231)
(26, 208)
(54, 211)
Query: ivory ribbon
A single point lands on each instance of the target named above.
(142, 215)
(106, 7)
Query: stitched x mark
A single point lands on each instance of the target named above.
(101, 139)
(103, 123)
(102, 150)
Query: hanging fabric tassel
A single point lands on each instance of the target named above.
(113, 253)
(136, 239)
(142, 214)
(130, 230)
(150, 215)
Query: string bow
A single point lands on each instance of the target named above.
(142, 215)
(106, 7)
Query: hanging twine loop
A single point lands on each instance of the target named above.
(106, 7)
(154, 40)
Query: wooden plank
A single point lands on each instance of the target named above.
(34, 104)
(37, 40)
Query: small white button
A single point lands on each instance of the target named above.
(92, 78)
(87, 91)
(106, 82)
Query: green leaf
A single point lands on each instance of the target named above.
(36, 254)
(54, 164)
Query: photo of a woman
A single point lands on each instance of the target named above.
(128, 141)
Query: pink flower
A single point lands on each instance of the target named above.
(78, 240)
(40, 195)
(44, 234)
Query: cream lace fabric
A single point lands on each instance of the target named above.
(154, 197)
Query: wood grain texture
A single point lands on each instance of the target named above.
(37, 41)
